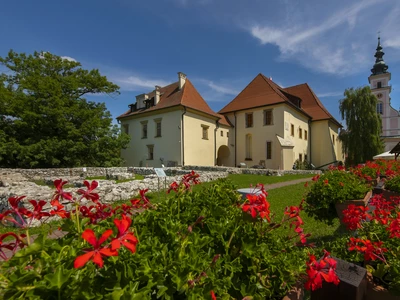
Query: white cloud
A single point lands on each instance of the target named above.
(219, 88)
(68, 58)
(390, 33)
(136, 83)
(318, 46)
(329, 94)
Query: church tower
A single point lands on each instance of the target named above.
(379, 83)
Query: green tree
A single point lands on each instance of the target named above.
(45, 121)
(361, 140)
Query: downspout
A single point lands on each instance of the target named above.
(183, 138)
(309, 140)
(234, 113)
(215, 142)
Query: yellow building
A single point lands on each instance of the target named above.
(264, 125)
(172, 126)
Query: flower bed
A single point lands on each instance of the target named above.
(193, 245)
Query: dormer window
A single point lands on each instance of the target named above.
(148, 103)
(132, 107)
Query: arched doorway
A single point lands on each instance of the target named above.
(223, 156)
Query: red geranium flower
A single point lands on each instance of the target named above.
(173, 187)
(97, 253)
(371, 250)
(88, 194)
(58, 183)
(59, 209)
(354, 215)
(319, 271)
(213, 295)
(258, 203)
(14, 201)
(124, 237)
(37, 212)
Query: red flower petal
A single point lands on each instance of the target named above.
(88, 235)
(80, 261)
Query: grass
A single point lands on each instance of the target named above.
(42, 182)
(292, 195)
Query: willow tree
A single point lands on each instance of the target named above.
(361, 140)
(45, 120)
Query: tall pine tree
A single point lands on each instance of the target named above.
(361, 140)
(45, 121)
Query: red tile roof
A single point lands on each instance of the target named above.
(170, 96)
(310, 103)
(262, 91)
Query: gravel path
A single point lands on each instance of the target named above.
(285, 183)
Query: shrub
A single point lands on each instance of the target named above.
(334, 186)
(393, 184)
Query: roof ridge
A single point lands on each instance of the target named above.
(319, 101)
(274, 88)
(240, 92)
(184, 92)
(295, 85)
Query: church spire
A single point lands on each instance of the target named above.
(380, 66)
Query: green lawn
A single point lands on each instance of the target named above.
(292, 195)
(241, 180)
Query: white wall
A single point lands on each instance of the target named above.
(167, 146)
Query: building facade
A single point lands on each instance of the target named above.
(380, 87)
(264, 125)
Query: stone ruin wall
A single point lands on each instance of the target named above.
(20, 181)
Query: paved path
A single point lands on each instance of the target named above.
(58, 234)
(285, 183)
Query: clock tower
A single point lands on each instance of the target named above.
(379, 83)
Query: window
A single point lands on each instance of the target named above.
(222, 133)
(300, 133)
(379, 108)
(300, 157)
(150, 152)
(333, 139)
(249, 149)
(379, 84)
(305, 135)
(291, 129)
(227, 134)
(158, 127)
(249, 120)
(268, 120)
(269, 150)
(205, 131)
(126, 128)
(305, 157)
(144, 130)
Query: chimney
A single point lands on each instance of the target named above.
(140, 100)
(182, 80)
(156, 95)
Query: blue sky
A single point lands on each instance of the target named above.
(220, 44)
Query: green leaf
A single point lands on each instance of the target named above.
(59, 277)
(36, 246)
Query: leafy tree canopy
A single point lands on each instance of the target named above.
(361, 141)
(45, 121)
